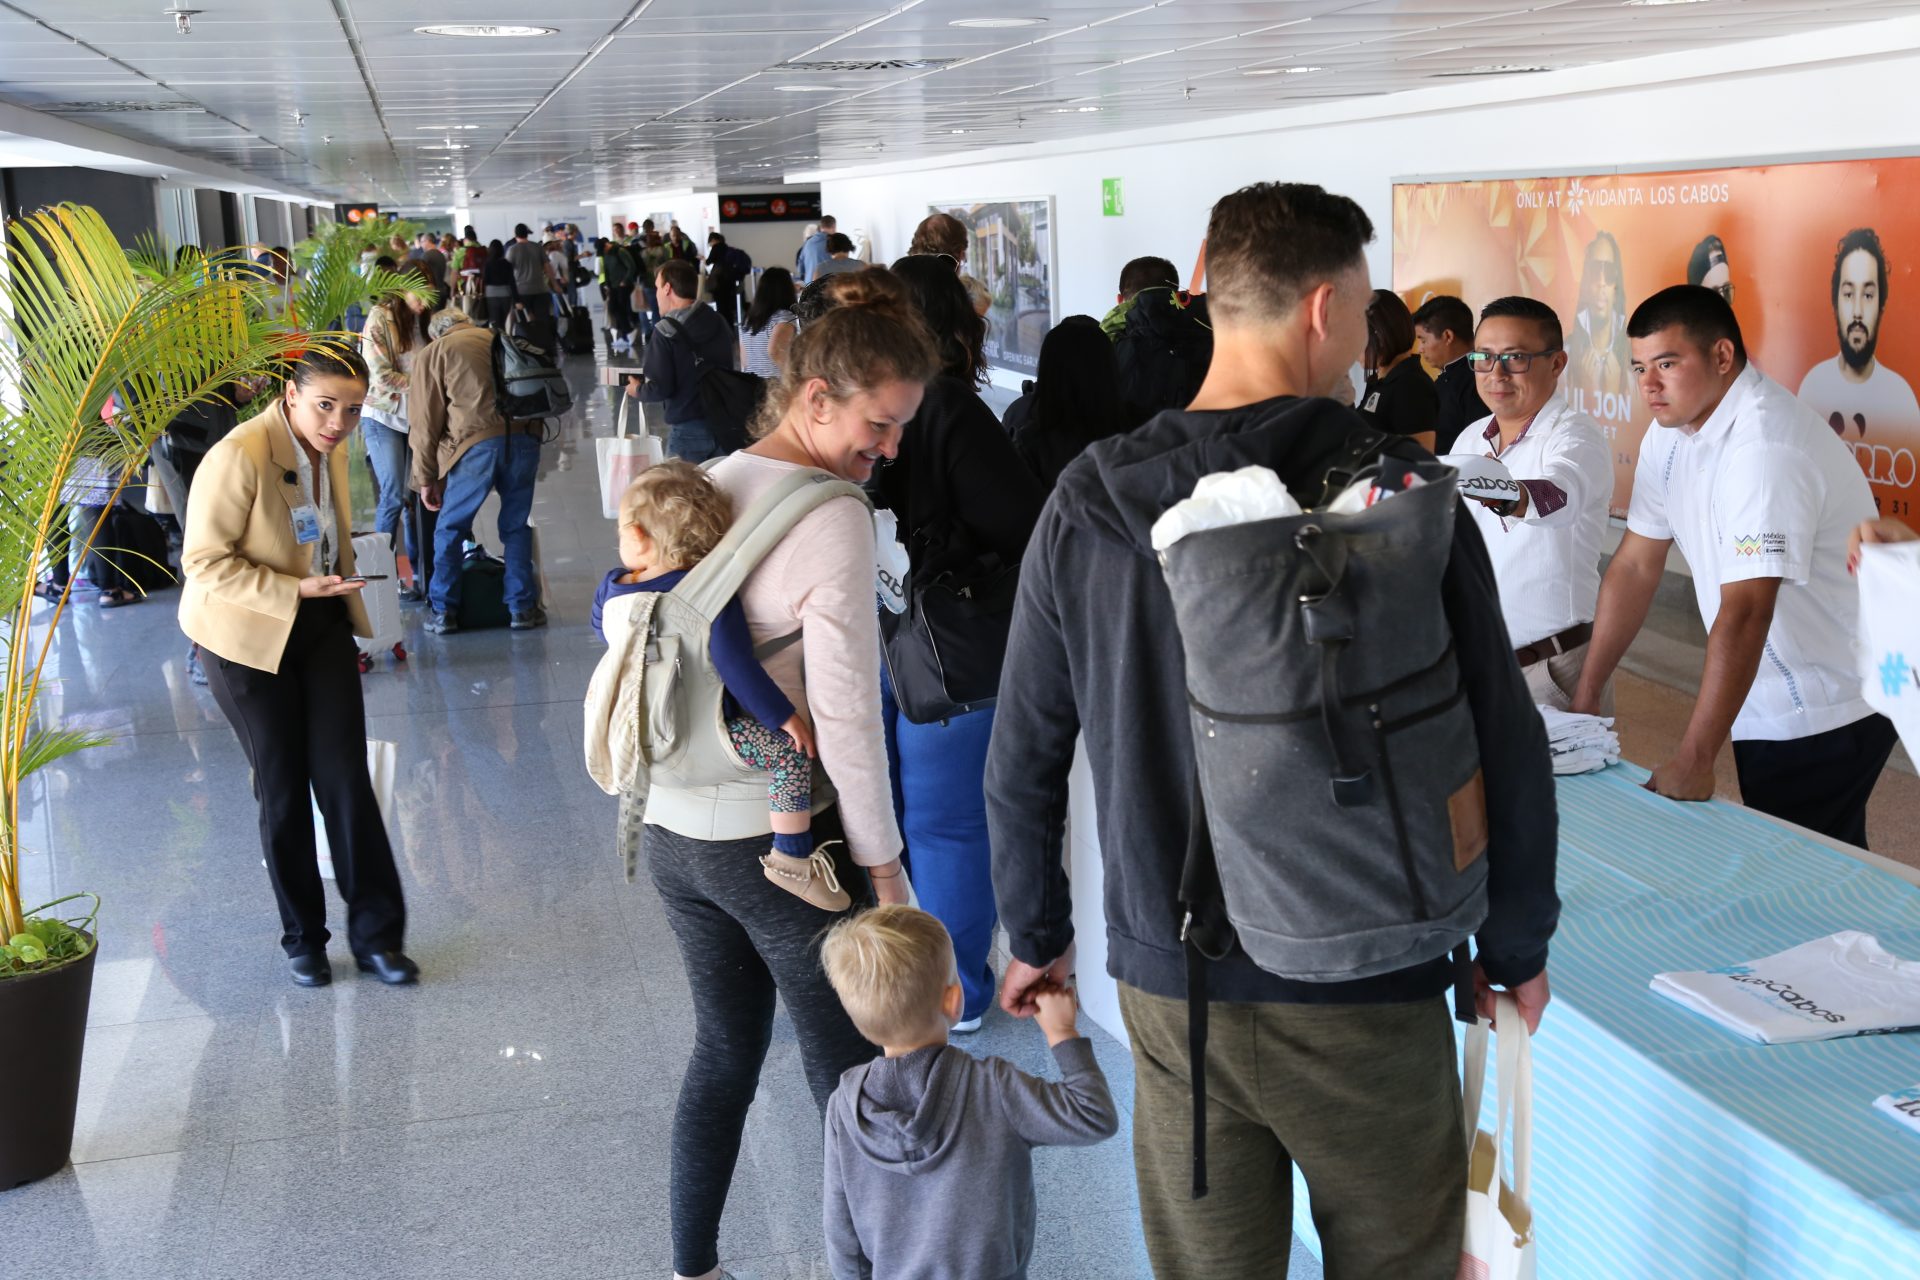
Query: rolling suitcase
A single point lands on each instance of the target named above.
(373, 556)
(579, 336)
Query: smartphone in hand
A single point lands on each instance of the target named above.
(365, 577)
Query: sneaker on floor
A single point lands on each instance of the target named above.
(966, 1026)
(810, 879)
(443, 624)
(530, 620)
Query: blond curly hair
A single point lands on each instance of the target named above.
(680, 509)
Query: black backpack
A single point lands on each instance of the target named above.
(527, 381)
(1163, 353)
(620, 266)
(728, 400)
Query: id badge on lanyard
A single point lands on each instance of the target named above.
(306, 524)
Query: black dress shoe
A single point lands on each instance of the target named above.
(310, 970)
(391, 967)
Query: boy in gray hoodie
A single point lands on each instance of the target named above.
(929, 1165)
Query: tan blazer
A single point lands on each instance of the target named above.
(241, 562)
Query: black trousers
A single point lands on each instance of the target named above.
(1822, 782)
(743, 940)
(497, 312)
(620, 309)
(305, 730)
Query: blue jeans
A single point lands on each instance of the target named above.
(691, 441)
(507, 464)
(939, 793)
(387, 452)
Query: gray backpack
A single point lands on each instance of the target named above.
(1339, 812)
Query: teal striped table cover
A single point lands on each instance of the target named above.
(1665, 1146)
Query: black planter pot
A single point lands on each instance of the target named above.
(45, 1016)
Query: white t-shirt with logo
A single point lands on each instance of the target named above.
(1846, 984)
(1882, 405)
(1764, 489)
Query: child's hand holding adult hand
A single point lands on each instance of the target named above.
(1059, 1006)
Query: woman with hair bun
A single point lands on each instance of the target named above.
(273, 602)
(853, 379)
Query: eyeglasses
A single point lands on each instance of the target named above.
(1483, 363)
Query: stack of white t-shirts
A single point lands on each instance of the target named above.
(1580, 744)
(1843, 985)
(1902, 1105)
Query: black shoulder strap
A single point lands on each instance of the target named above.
(1206, 935)
(1359, 453)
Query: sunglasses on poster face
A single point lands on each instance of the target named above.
(1484, 363)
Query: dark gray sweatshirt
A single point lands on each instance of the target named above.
(929, 1164)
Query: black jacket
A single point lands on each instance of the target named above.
(669, 363)
(1403, 403)
(1163, 352)
(1095, 651)
(1460, 404)
(958, 476)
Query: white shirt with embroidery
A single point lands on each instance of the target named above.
(1764, 489)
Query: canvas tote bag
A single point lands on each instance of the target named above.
(622, 458)
(383, 769)
(1499, 1241)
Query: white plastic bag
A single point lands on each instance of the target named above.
(622, 458)
(1499, 1240)
(383, 770)
(890, 561)
(1890, 635)
(1225, 498)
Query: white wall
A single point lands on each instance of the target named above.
(496, 221)
(1742, 104)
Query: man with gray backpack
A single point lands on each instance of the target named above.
(1326, 806)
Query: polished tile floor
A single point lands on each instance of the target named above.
(509, 1116)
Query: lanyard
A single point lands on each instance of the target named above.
(313, 489)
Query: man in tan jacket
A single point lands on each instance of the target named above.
(462, 451)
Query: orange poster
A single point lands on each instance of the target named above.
(1817, 260)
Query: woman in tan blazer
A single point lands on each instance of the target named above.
(272, 599)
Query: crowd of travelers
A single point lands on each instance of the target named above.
(875, 509)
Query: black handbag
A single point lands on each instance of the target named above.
(945, 652)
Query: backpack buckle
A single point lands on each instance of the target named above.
(1186, 926)
(1352, 792)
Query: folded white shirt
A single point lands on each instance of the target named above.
(1902, 1106)
(1580, 744)
(1843, 985)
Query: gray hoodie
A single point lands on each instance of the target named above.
(929, 1165)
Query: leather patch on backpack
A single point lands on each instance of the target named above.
(1467, 811)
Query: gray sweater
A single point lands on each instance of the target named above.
(929, 1165)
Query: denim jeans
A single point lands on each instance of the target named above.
(939, 772)
(387, 452)
(507, 464)
(691, 441)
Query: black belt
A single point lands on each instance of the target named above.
(1554, 646)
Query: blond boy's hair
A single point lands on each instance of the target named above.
(891, 968)
(685, 513)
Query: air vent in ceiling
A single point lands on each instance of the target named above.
(697, 121)
(850, 66)
(1492, 71)
(111, 108)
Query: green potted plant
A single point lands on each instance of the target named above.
(99, 350)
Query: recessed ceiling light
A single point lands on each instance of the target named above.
(1496, 69)
(1069, 111)
(484, 31)
(997, 23)
(808, 88)
(1280, 71)
(441, 128)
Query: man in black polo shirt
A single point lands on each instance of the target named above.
(1443, 331)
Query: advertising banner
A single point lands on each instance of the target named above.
(1817, 260)
(786, 206)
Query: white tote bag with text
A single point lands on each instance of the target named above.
(623, 457)
(1890, 635)
(1499, 1241)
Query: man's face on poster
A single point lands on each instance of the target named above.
(1856, 308)
(1603, 281)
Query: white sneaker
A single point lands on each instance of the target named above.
(966, 1026)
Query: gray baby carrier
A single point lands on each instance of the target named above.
(1339, 814)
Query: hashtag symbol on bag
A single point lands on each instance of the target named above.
(1893, 675)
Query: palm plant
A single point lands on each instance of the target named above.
(330, 282)
(82, 325)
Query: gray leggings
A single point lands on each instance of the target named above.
(742, 939)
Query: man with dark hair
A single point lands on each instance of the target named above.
(690, 334)
(1855, 391)
(1163, 349)
(1760, 497)
(1294, 1070)
(1544, 531)
(815, 251)
(1443, 331)
(839, 257)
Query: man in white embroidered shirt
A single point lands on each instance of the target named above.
(1761, 496)
(1544, 536)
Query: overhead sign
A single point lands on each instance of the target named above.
(785, 206)
(356, 214)
(1817, 260)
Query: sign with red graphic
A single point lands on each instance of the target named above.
(791, 206)
(355, 215)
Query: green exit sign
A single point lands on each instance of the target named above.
(1113, 203)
